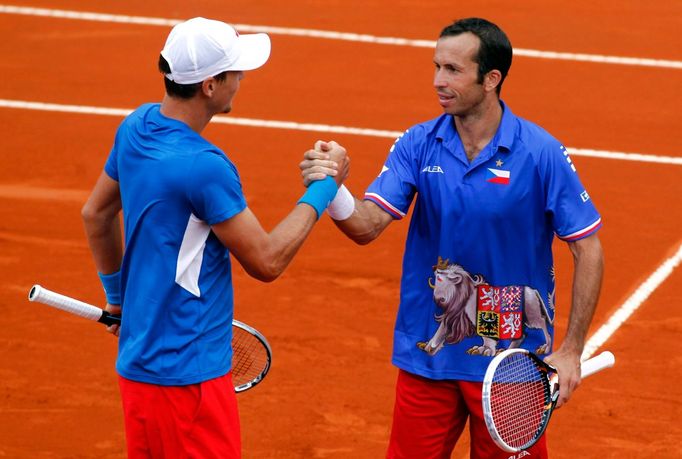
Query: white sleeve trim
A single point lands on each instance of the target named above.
(387, 205)
(578, 234)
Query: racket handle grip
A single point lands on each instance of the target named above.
(604, 360)
(76, 307)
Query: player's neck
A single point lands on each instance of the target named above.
(477, 128)
(192, 112)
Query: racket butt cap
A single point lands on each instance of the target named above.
(34, 292)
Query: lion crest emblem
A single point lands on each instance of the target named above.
(471, 307)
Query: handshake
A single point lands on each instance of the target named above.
(325, 159)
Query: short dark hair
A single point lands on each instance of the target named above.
(495, 51)
(183, 91)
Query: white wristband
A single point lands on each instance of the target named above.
(343, 205)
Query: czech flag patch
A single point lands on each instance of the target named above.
(498, 176)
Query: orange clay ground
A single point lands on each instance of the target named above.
(329, 318)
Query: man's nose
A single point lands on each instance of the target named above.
(438, 80)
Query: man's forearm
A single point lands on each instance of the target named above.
(286, 239)
(365, 223)
(104, 239)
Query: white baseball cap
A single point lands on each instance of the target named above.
(201, 48)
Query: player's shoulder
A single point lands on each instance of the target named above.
(534, 134)
(210, 160)
(142, 112)
(536, 140)
(144, 119)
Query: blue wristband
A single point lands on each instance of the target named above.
(112, 286)
(319, 194)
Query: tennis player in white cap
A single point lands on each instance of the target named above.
(184, 212)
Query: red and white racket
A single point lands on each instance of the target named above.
(251, 353)
(520, 392)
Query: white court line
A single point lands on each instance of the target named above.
(625, 156)
(332, 35)
(632, 304)
(291, 125)
(122, 112)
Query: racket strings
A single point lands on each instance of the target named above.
(249, 357)
(520, 399)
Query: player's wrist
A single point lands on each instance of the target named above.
(343, 205)
(112, 287)
(320, 194)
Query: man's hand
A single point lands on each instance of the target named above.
(116, 310)
(567, 365)
(327, 158)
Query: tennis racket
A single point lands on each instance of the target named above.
(251, 353)
(520, 392)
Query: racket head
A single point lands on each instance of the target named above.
(251, 356)
(519, 395)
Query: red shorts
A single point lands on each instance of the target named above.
(429, 416)
(179, 422)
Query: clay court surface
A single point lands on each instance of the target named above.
(329, 318)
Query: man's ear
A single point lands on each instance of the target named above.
(208, 86)
(492, 80)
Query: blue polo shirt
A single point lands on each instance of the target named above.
(176, 276)
(481, 233)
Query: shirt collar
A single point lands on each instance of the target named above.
(506, 131)
(445, 128)
(504, 137)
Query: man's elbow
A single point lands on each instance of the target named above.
(363, 239)
(266, 277)
(361, 236)
(88, 214)
(265, 272)
(95, 219)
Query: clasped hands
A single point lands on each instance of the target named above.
(325, 159)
